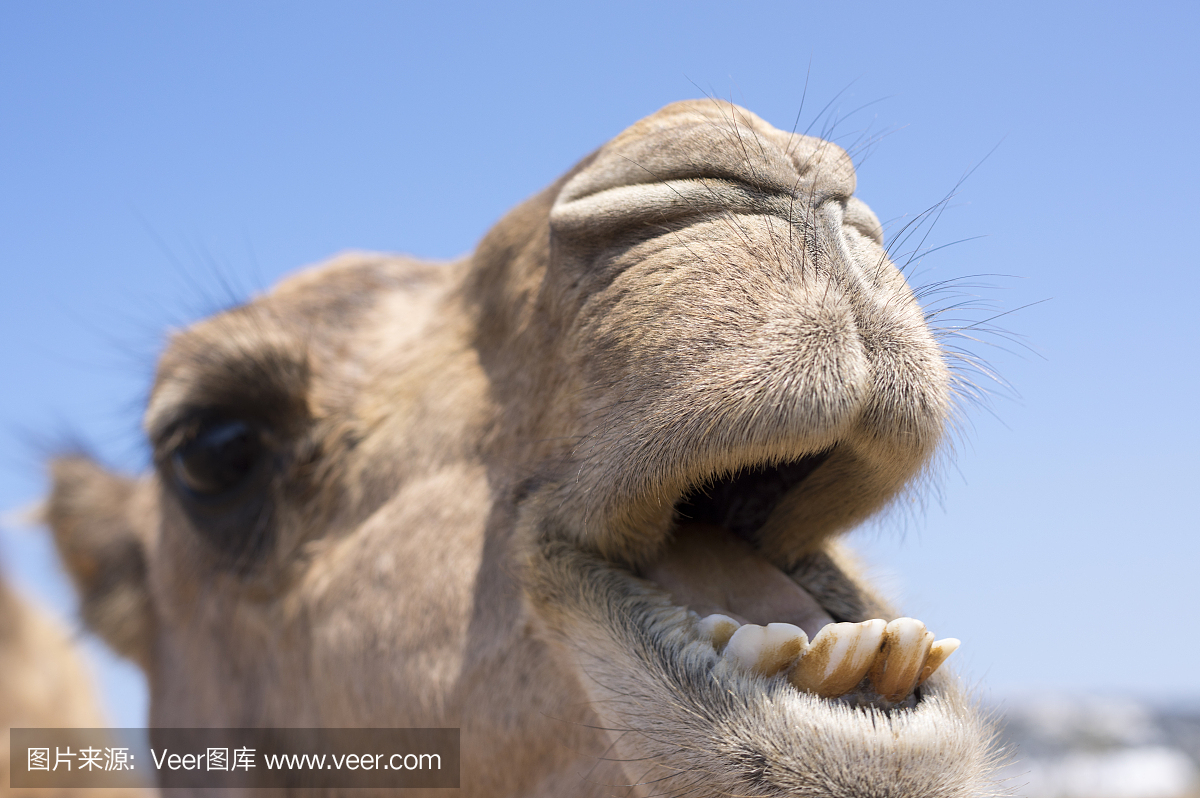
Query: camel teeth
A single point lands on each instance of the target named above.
(717, 629)
(906, 645)
(938, 653)
(766, 650)
(839, 658)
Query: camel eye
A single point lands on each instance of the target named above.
(218, 458)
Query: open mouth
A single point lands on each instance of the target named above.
(760, 620)
(742, 502)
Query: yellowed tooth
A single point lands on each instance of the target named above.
(766, 650)
(937, 655)
(839, 658)
(906, 645)
(718, 629)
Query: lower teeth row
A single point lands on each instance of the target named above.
(897, 656)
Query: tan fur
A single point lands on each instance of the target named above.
(43, 684)
(471, 461)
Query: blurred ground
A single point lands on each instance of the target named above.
(1088, 747)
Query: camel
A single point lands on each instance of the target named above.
(579, 494)
(44, 685)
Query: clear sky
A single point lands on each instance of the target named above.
(160, 160)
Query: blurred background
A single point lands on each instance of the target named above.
(159, 162)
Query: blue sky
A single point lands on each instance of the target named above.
(158, 161)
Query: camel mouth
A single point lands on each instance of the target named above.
(742, 502)
(718, 597)
(713, 563)
(760, 620)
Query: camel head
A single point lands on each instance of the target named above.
(578, 494)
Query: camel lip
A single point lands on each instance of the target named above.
(742, 501)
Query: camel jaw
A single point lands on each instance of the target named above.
(688, 698)
(717, 653)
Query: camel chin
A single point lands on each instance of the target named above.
(578, 493)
